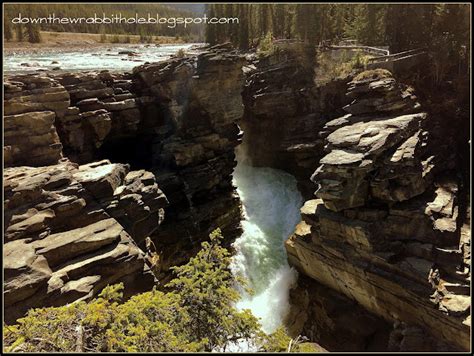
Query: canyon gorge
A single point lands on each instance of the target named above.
(344, 202)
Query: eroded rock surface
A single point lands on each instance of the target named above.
(190, 112)
(285, 111)
(385, 228)
(31, 106)
(86, 152)
(70, 230)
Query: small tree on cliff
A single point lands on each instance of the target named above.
(197, 315)
(206, 293)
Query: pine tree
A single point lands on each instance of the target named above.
(302, 21)
(19, 33)
(8, 31)
(289, 21)
(211, 37)
(244, 26)
(339, 20)
(231, 29)
(279, 22)
(205, 288)
(33, 33)
(265, 19)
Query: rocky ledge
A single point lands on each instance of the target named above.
(285, 111)
(385, 229)
(116, 177)
(70, 230)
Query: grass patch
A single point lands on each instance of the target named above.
(331, 65)
(375, 74)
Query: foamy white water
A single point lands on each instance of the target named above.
(93, 58)
(271, 204)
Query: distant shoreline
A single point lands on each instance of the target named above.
(75, 40)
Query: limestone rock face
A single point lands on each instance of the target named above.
(189, 127)
(86, 152)
(285, 111)
(102, 109)
(71, 230)
(32, 104)
(339, 323)
(177, 119)
(385, 228)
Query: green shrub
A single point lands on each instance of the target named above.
(279, 341)
(330, 68)
(373, 74)
(197, 314)
(266, 46)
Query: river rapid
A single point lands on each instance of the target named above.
(271, 203)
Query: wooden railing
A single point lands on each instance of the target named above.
(383, 59)
(368, 49)
(397, 56)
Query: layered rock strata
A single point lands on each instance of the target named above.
(70, 230)
(190, 108)
(85, 154)
(31, 107)
(385, 229)
(285, 111)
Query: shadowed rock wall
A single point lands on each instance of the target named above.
(108, 173)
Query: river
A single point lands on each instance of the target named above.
(105, 57)
(270, 198)
(272, 205)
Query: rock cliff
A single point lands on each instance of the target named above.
(70, 230)
(285, 110)
(190, 108)
(116, 177)
(385, 228)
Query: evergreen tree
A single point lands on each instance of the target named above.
(289, 21)
(8, 31)
(244, 26)
(265, 18)
(205, 290)
(279, 22)
(19, 33)
(211, 36)
(302, 21)
(231, 29)
(366, 25)
(32, 33)
(197, 314)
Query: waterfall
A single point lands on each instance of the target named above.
(271, 203)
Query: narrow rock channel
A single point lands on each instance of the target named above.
(271, 203)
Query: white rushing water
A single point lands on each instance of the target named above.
(93, 58)
(271, 204)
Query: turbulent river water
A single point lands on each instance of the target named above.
(270, 198)
(93, 58)
(271, 204)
